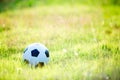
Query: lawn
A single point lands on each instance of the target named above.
(83, 40)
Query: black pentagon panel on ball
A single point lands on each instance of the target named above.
(47, 53)
(35, 53)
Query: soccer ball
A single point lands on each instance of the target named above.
(36, 54)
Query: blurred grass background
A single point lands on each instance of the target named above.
(83, 37)
(15, 4)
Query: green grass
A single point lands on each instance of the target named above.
(18, 4)
(84, 42)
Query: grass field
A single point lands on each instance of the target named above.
(83, 40)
